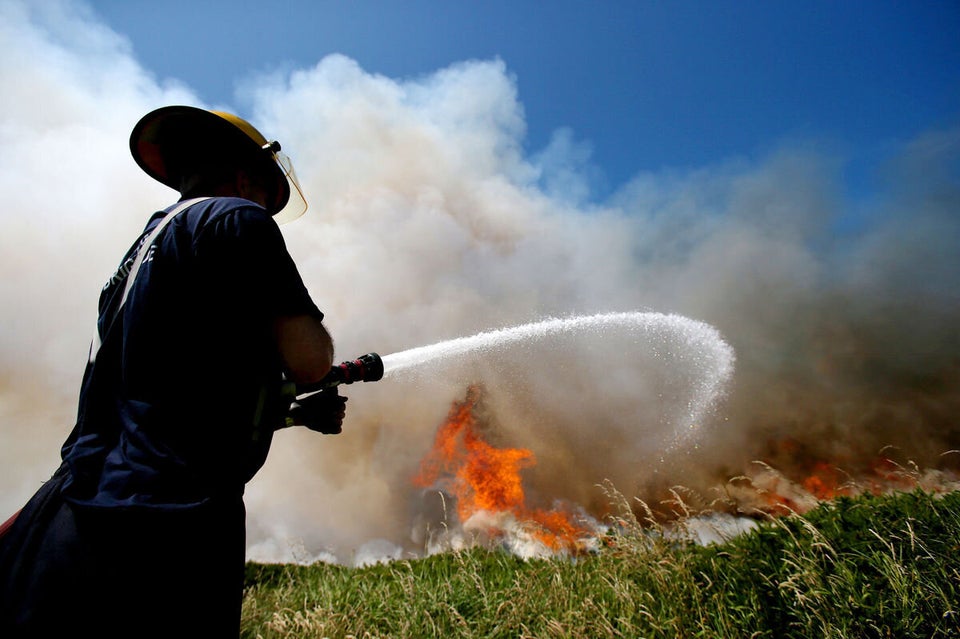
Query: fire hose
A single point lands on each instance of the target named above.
(311, 404)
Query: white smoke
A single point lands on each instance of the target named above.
(429, 222)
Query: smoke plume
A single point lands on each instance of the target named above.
(429, 222)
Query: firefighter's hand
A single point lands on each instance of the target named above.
(322, 412)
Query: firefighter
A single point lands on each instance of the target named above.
(141, 531)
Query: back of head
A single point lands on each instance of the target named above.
(183, 147)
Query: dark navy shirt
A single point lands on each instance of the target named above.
(179, 405)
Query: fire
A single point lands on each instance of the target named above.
(484, 478)
(487, 483)
(795, 479)
(824, 482)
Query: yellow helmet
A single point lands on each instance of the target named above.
(172, 141)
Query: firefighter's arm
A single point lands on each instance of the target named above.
(305, 346)
(307, 351)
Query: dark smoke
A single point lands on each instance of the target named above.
(856, 349)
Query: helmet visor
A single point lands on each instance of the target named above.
(296, 204)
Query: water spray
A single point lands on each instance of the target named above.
(668, 341)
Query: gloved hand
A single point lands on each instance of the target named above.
(322, 411)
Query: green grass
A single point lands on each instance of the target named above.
(870, 566)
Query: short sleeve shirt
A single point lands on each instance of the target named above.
(179, 405)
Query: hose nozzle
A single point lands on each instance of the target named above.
(366, 368)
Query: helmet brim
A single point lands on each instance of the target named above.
(175, 141)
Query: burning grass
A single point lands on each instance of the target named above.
(487, 485)
(861, 566)
(819, 553)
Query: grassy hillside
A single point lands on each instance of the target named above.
(870, 566)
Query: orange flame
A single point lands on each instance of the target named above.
(824, 482)
(796, 479)
(483, 477)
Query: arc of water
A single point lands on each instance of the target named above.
(715, 355)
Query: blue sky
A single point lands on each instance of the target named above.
(646, 86)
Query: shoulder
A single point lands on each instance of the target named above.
(226, 209)
(228, 217)
(230, 228)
